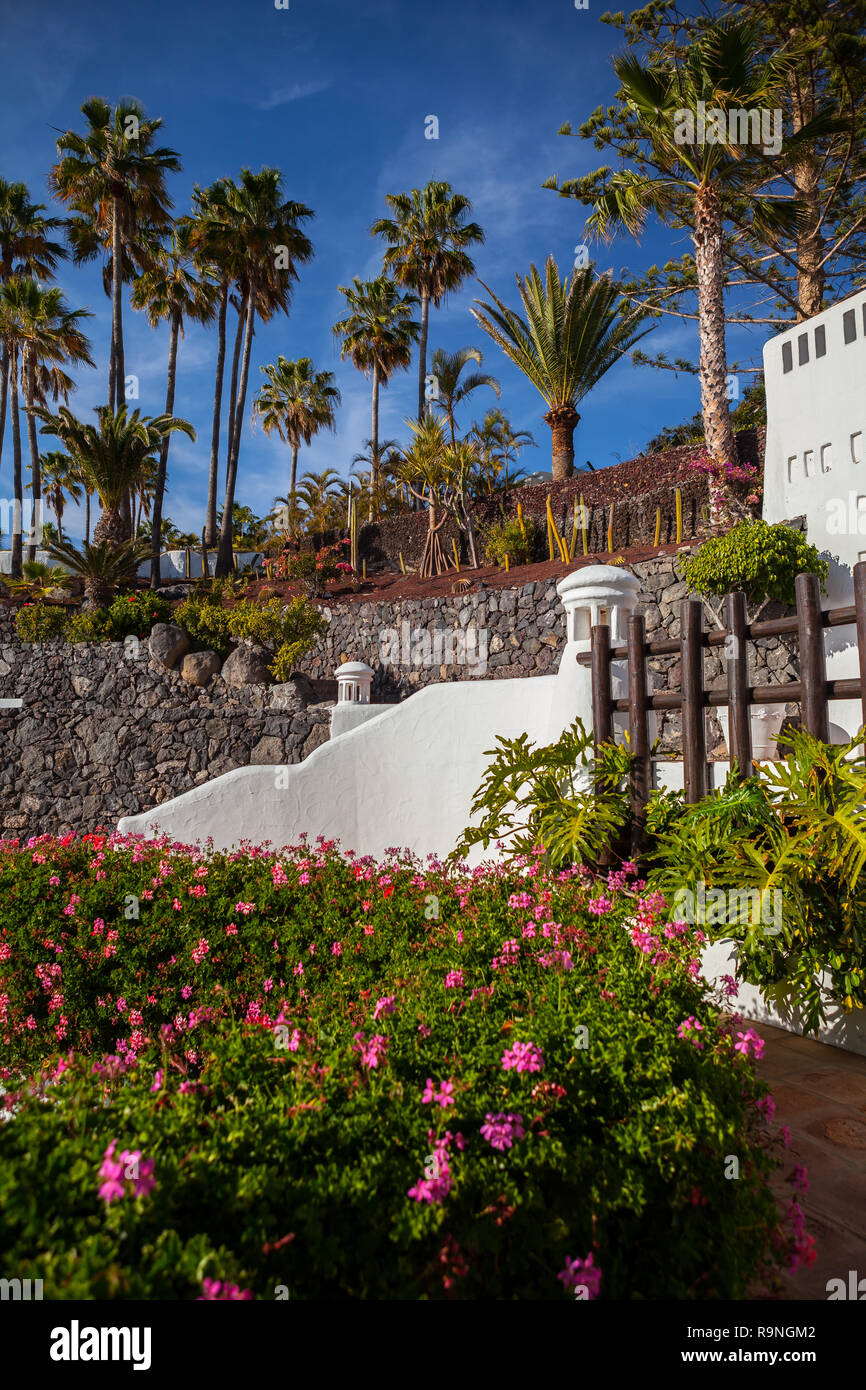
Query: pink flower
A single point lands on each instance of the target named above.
(245, 908)
(581, 1274)
(599, 906)
(523, 1056)
(198, 890)
(372, 1052)
(177, 905)
(217, 1291)
(385, 1006)
(454, 979)
(689, 1029)
(443, 1096)
(231, 929)
(200, 951)
(750, 1043)
(501, 1130)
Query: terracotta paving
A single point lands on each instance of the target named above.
(820, 1094)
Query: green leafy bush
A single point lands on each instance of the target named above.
(90, 625)
(40, 622)
(760, 559)
(135, 614)
(517, 537)
(312, 1076)
(204, 618)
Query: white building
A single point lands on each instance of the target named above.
(815, 462)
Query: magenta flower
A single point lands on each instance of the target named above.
(336, 948)
(216, 1290)
(385, 1006)
(454, 979)
(523, 1056)
(443, 1096)
(501, 1130)
(581, 1274)
(750, 1043)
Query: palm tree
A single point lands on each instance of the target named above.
(172, 292)
(427, 239)
(25, 249)
(113, 455)
(573, 333)
(59, 481)
(686, 176)
(378, 335)
(498, 446)
(113, 179)
(447, 368)
(215, 256)
(297, 402)
(318, 493)
(262, 233)
(38, 330)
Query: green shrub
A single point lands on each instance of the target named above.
(288, 629)
(135, 614)
(93, 625)
(760, 559)
(288, 1085)
(206, 621)
(518, 537)
(40, 622)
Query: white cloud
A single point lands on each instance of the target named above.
(282, 96)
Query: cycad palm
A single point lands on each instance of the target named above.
(447, 369)
(172, 291)
(297, 402)
(113, 179)
(112, 455)
(427, 241)
(573, 332)
(378, 335)
(684, 178)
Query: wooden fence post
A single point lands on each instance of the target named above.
(860, 605)
(602, 703)
(694, 726)
(641, 773)
(739, 721)
(814, 709)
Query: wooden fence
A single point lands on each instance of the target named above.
(812, 691)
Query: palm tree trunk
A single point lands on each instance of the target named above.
(17, 479)
(162, 466)
(233, 386)
(213, 474)
(807, 191)
(713, 362)
(117, 309)
(35, 475)
(224, 554)
(87, 516)
(422, 353)
(374, 447)
(563, 421)
(4, 393)
(293, 477)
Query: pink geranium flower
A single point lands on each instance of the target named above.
(523, 1056)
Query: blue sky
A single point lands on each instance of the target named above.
(335, 93)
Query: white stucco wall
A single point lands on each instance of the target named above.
(815, 462)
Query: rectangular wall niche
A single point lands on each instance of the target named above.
(787, 358)
(809, 463)
(849, 326)
(857, 447)
(792, 466)
(826, 457)
(821, 340)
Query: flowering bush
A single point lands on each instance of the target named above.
(206, 1100)
(313, 570)
(731, 486)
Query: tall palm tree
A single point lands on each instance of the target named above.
(687, 177)
(215, 253)
(59, 481)
(263, 231)
(39, 330)
(447, 368)
(172, 291)
(377, 334)
(25, 249)
(297, 402)
(573, 333)
(113, 179)
(427, 240)
(113, 454)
